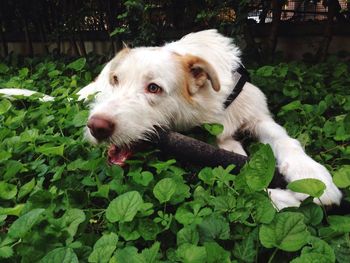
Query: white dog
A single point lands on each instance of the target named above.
(185, 84)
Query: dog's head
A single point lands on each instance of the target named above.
(144, 88)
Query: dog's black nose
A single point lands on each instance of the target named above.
(101, 127)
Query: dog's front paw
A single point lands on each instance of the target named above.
(301, 167)
(283, 198)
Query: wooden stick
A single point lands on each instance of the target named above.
(197, 152)
(200, 153)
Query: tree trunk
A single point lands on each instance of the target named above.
(75, 49)
(328, 32)
(3, 41)
(28, 40)
(40, 29)
(272, 38)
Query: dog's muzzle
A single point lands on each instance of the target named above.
(101, 127)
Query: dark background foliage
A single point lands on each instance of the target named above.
(61, 202)
(141, 22)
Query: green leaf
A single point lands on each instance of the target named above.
(6, 252)
(12, 168)
(24, 224)
(313, 214)
(26, 188)
(216, 253)
(129, 255)
(7, 191)
(245, 250)
(346, 122)
(124, 207)
(265, 212)
(287, 232)
(214, 129)
(90, 165)
(5, 105)
(80, 118)
(341, 177)
(54, 73)
(14, 211)
(339, 223)
(340, 69)
(60, 255)
(164, 190)
(163, 166)
(294, 105)
(71, 220)
(207, 176)
(50, 150)
(265, 71)
(182, 191)
(188, 234)
(103, 191)
(104, 248)
(185, 216)
(224, 203)
(259, 171)
(3, 68)
(117, 31)
(310, 186)
(77, 65)
(23, 72)
(143, 178)
(150, 255)
(189, 253)
(148, 229)
(291, 88)
(128, 231)
(322, 107)
(319, 251)
(341, 248)
(4, 155)
(214, 227)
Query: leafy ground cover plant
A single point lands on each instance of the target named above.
(61, 202)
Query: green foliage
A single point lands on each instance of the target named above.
(342, 176)
(61, 202)
(104, 248)
(312, 187)
(124, 207)
(287, 232)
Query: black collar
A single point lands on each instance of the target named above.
(243, 79)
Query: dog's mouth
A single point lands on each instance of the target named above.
(118, 156)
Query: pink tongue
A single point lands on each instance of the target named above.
(118, 156)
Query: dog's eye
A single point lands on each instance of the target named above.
(154, 88)
(115, 80)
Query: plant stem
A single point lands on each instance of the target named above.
(273, 255)
(324, 209)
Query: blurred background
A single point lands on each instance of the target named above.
(264, 29)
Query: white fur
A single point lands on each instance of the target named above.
(136, 112)
(23, 92)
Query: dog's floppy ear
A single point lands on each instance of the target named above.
(201, 71)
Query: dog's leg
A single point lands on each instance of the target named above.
(230, 144)
(292, 161)
(250, 112)
(282, 198)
